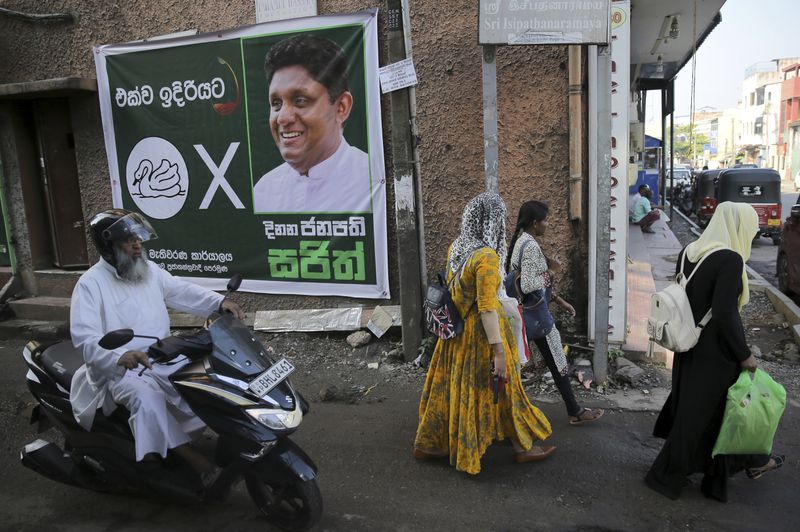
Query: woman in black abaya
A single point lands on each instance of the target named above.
(692, 415)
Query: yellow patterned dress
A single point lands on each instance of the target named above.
(457, 413)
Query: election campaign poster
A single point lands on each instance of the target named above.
(255, 150)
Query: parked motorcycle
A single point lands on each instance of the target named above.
(683, 198)
(231, 383)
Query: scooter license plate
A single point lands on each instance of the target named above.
(262, 384)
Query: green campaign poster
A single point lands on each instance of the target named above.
(255, 150)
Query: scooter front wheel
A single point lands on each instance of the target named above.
(290, 505)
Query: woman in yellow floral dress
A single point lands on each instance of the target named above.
(457, 413)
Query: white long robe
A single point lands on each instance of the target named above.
(102, 302)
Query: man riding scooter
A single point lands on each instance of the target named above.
(125, 290)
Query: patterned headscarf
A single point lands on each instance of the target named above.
(483, 224)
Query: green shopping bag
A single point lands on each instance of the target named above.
(752, 411)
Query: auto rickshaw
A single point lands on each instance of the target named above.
(705, 195)
(761, 188)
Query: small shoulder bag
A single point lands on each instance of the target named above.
(535, 309)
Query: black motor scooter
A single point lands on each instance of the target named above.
(683, 198)
(231, 383)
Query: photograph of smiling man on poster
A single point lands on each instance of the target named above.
(309, 103)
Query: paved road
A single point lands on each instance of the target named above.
(370, 482)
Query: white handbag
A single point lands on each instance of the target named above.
(511, 306)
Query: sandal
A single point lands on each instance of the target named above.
(534, 454)
(419, 454)
(586, 415)
(756, 472)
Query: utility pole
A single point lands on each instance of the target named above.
(408, 245)
(602, 260)
(671, 158)
(490, 139)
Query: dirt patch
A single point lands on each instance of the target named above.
(764, 326)
(329, 370)
(681, 229)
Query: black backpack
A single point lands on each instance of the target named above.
(441, 315)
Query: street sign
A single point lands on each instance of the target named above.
(544, 22)
(272, 10)
(397, 76)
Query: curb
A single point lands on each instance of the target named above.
(779, 300)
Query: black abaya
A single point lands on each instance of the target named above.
(692, 415)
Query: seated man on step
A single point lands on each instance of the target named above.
(644, 212)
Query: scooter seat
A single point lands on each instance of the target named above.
(61, 361)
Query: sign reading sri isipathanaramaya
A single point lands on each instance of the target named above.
(255, 150)
(543, 22)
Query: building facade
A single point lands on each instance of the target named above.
(48, 87)
(729, 137)
(706, 124)
(55, 169)
(789, 131)
(760, 114)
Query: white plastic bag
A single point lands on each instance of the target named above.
(514, 315)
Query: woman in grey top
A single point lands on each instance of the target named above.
(535, 283)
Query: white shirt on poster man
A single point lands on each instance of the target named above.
(340, 183)
(103, 302)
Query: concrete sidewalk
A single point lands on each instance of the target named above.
(651, 267)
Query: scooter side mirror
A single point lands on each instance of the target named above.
(115, 339)
(235, 282)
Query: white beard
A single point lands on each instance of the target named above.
(133, 269)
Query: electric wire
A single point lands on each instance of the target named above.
(692, 101)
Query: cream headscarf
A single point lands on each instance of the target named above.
(733, 226)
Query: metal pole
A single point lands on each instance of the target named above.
(603, 212)
(662, 181)
(490, 117)
(672, 162)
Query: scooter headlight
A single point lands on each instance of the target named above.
(276, 419)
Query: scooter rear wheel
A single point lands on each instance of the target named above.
(295, 505)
